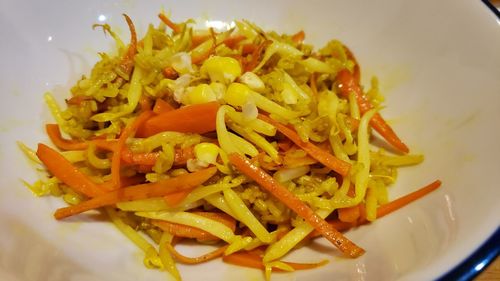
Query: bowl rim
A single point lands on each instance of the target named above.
(476, 262)
(485, 254)
(494, 9)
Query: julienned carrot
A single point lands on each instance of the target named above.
(315, 152)
(203, 56)
(174, 199)
(161, 106)
(256, 55)
(249, 48)
(232, 41)
(198, 118)
(186, 231)
(299, 37)
(56, 138)
(347, 85)
(175, 27)
(294, 203)
(388, 208)
(356, 71)
(141, 191)
(249, 259)
(77, 100)
(182, 155)
(128, 157)
(349, 214)
(196, 40)
(127, 62)
(407, 199)
(66, 172)
(127, 132)
(203, 258)
(220, 217)
(64, 144)
(170, 73)
(145, 103)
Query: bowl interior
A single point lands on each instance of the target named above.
(438, 66)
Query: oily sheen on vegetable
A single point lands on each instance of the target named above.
(247, 140)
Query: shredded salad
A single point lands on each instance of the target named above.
(251, 141)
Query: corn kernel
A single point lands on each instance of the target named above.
(206, 152)
(237, 94)
(221, 69)
(200, 94)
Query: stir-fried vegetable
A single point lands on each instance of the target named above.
(251, 140)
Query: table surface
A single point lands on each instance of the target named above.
(491, 273)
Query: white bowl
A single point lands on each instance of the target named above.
(439, 66)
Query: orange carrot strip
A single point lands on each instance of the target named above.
(185, 231)
(315, 152)
(248, 49)
(175, 27)
(356, 70)
(196, 40)
(299, 37)
(117, 153)
(145, 103)
(174, 199)
(128, 157)
(256, 55)
(78, 100)
(162, 106)
(182, 155)
(141, 191)
(64, 144)
(204, 258)
(202, 57)
(349, 214)
(347, 84)
(170, 73)
(198, 118)
(248, 259)
(66, 172)
(129, 181)
(55, 136)
(232, 41)
(294, 203)
(127, 61)
(407, 199)
(387, 208)
(220, 217)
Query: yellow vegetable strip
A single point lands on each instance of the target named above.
(96, 161)
(135, 237)
(211, 226)
(245, 146)
(361, 178)
(291, 239)
(257, 125)
(225, 140)
(165, 256)
(133, 95)
(30, 153)
(256, 139)
(245, 215)
(218, 201)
